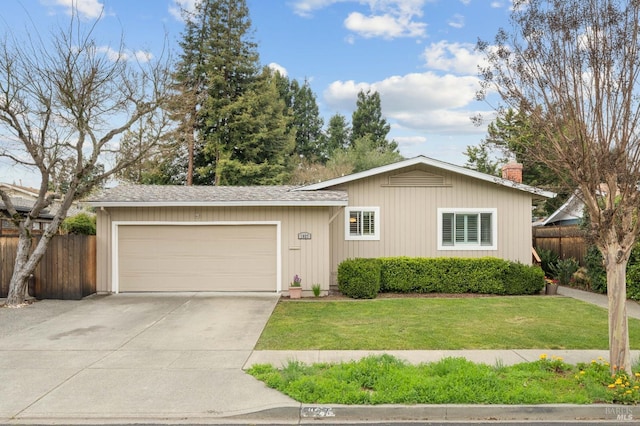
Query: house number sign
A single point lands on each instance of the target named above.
(304, 235)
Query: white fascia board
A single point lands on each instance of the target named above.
(217, 203)
(433, 163)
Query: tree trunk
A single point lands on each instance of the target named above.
(619, 350)
(20, 277)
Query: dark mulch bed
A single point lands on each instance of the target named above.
(338, 296)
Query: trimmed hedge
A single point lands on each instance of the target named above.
(359, 278)
(487, 275)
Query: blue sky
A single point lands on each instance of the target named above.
(417, 54)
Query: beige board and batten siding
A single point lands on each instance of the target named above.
(307, 258)
(409, 200)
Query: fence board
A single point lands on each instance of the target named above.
(66, 271)
(567, 241)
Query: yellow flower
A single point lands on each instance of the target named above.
(543, 356)
(593, 361)
(627, 392)
(582, 372)
(618, 381)
(559, 358)
(600, 358)
(606, 364)
(636, 387)
(611, 386)
(637, 374)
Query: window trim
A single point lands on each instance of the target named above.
(478, 246)
(376, 224)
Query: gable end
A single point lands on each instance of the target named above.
(417, 178)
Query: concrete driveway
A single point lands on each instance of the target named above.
(133, 356)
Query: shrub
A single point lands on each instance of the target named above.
(598, 275)
(595, 270)
(487, 275)
(548, 258)
(564, 269)
(82, 223)
(359, 278)
(523, 279)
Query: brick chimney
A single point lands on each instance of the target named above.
(512, 171)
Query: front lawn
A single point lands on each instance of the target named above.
(515, 322)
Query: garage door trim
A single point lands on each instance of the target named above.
(115, 285)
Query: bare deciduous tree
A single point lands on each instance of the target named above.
(572, 66)
(64, 102)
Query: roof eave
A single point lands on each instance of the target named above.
(429, 162)
(332, 203)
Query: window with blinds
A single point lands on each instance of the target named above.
(467, 229)
(362, 223)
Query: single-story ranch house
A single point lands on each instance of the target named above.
(206, 238)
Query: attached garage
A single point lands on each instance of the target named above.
(185, 257)
(213, 238)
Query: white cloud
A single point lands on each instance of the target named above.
(127, 55)
(385, 26)
(306, 8)
(459, 58)
(456, 21)
(465, 2)
(409, 141)
(277, 67)
(424, 102)
(497, 4)
(387, 18)
(90, 9)
(176, 8)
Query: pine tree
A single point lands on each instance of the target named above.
(367, 121)
(338, 133)
(262, 141)
(310, 141)
(229, 110)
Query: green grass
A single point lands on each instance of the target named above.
(387, 380)
(526, 322)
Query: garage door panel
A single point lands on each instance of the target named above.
(197, 258)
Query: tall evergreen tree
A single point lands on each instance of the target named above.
(262, 139)
(367, 121)
(310, 141)
(225, 105)
(338, 133)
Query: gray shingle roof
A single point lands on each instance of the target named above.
(173, 195)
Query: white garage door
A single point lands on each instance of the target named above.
(197, 257)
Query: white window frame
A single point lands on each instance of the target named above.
(468, 246)
(376, 224)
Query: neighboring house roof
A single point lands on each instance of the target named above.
(26, 209)
(569, 213)
(432, 163)
(175, 195)
(24, 197)
(31, 193)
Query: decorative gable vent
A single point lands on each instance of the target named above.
(416, 178)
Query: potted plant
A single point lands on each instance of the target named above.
(295, 288)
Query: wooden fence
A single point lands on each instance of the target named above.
(66, 271)
(567, 241)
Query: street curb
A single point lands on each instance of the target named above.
(382, 413)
